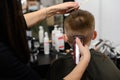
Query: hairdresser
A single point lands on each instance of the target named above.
(14, 51)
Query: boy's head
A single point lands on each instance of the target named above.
(80, 22)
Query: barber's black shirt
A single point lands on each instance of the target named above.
(11, 68)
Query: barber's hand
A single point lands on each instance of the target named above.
(84, 50)
(66, 7)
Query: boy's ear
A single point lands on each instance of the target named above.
(65, 37)
(94, 35)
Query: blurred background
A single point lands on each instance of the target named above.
(106, 12)
(107, 25)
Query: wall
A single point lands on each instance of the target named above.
(107, 16)
(110, 20)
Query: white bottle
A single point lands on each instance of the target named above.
(46, 44)
(59, 41)
(56, 40)
(41, 34)
(53, 35)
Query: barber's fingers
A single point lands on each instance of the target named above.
(83, 49)
(67, 7)
(75, 6)
(79, 42)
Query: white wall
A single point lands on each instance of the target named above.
(110, 20)
(107, 16)
(46, 3)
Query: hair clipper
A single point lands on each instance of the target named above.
(76, 51)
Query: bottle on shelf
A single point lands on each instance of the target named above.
(46, 44)
(53, 35)
(59, 41)
(29, 38)
(41, 34)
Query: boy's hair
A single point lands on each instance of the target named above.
(79, 22)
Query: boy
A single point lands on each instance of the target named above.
(82, 23)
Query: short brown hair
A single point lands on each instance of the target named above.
(79, 22)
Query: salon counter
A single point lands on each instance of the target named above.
(42, 65)
(44, 59)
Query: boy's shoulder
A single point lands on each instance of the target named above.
(102, 67)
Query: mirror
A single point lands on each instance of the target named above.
(48, 23)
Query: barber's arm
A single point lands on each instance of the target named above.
(37, 16)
